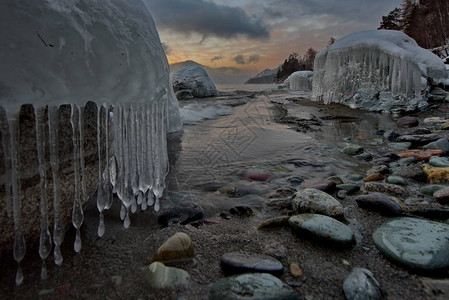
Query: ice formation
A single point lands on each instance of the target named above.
(70, 52)
(378, 70)
(194, 79)
(300, 81)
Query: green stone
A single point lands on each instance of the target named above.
(418, 244)
(351, 188)
(323, 227)
(396, 180)
(430, 189)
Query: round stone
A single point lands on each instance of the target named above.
(177, 247)
(237, 263)
(322, 227)
(361, 284)
(430, 189)
(396, 180)
(261, 286)
(416, 243)
(379, 202)
(316, 201)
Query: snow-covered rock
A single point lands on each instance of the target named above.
(300, 81)
(375, 70)
(196, 80)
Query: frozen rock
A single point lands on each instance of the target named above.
(375, 70)
(194, 79)
(300, 81)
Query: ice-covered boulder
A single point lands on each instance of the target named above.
(377, 70)
(194, 79)
(300, 81)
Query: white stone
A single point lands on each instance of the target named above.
(196, 80)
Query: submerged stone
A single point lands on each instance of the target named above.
(416, 243)
(322, 227)
(327, 186)
(237, 263)
(420, 154)
(260, 286)
(361, 285)
(182, 213)
(353, 149)
(407, 122)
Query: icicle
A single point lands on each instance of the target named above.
(101, 197)
(7, 159)
(106, 174)
(58, 230)
(19, 240)
(45, 236)
(77, 211)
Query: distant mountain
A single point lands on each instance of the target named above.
(266, 76)
(223, 75)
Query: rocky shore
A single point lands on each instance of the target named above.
(379, 233)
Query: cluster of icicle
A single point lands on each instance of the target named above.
(366, 72)
(132, 162)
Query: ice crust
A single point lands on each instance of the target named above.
(56, 52)
(379, 70)
(300, 81)
(194, 79)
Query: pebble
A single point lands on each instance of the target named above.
(236, 263)
(420, 154)
(407, 160)
(355, 177)
(227, 190)
(261, 286)
(259, 176)
(418, 139)
(434, 120)
(435, 174)
(412, 171)
(182, 213)
(350, 188)
(160, 276)
(322, 227)
(177, 247)
(441, 162)
(386, 188)
(445, 126)
(399, 146)
(352, 149)
(431, 188)
(396, 180)
(327, 186)
(316, 201)
(374, 177)
(381, 169)
(391, 135)
(242, 211)
(296, 270)
(279, 203)
(418, 244)
(379, 202)
(274, 222)
(282, 192)
(432, 212)
(365, 156)
(407, 122)
(442, 196)
(361, 284)
(441, 144)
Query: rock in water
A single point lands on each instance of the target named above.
(361, 285)
(159, 276)
(316, 201)
(194, 79)
(322, 227)
(260, 286)
(415, 243)
(182, 213)
(178, 247)
(379, 202)
(407, 122)
(352, 149)
(237, 263)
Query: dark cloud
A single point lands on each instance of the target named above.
(206, 18)
(253, 58)
(239, 59)
(216, 58)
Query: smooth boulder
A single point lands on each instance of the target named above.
(316, 201)
(361, 285)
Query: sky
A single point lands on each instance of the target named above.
(258, 34)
